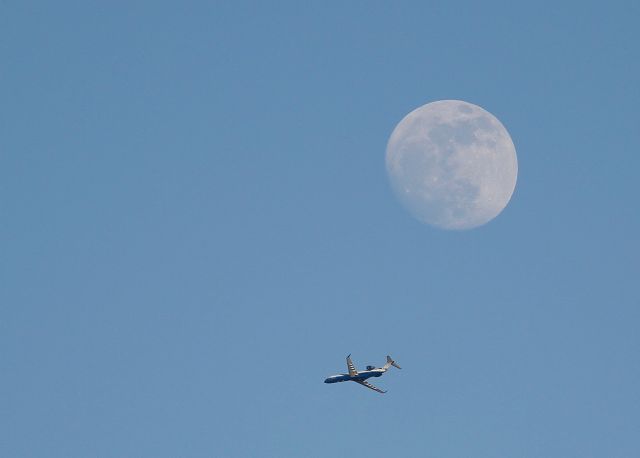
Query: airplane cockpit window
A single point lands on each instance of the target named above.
(370, 367)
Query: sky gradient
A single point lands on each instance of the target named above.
(196, 228)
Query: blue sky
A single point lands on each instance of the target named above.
(196, 228)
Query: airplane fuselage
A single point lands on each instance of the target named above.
(360, 376)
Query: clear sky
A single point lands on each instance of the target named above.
(196, 227)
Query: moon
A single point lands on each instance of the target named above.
(452, 164)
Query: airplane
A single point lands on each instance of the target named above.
(361, 377)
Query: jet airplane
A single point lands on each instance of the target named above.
(361, 377)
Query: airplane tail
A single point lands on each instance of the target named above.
(390, 362)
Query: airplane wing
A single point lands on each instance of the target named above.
(351, 367)
(369, 385)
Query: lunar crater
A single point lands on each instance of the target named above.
(452, 164)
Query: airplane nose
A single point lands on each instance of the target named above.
(328, 380)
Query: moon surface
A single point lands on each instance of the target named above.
(452, 164)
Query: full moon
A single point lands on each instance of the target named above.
(452, 164)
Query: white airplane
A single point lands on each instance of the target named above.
(361, 377)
